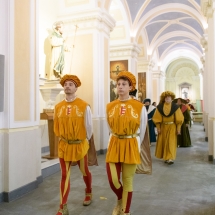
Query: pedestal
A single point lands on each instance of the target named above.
(53, 140)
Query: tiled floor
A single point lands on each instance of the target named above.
(185, 188)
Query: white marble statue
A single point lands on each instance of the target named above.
(57, 40)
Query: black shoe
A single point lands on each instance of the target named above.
(170, 162)
(166, 161)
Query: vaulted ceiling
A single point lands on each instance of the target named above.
(168, 25)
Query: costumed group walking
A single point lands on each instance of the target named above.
(128, 149)
(129, 144)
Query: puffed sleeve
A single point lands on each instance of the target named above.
(143, 123)
(179, 119)
(88, 122)
(157, 119)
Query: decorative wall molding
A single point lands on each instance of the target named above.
(204, 42)
(131, 49)
(202, 71)
(144, 66)
(94, 19)
(158, 74)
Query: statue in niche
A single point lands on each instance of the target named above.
(185, 93)
(57, 40)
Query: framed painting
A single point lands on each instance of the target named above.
(115, 68)
(141, 86)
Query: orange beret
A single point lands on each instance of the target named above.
(131, 78)
(72, 78)
(165, 94)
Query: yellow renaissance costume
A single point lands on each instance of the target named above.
(168, 119)
(73, 125)
(69, 125)
(128, 145)
(120, 114)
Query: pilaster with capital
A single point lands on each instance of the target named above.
(129, 51)
(146, 66)
(204, 60)
(208, 7)
(158, 84)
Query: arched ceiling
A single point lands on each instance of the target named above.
(181, 63)
(168, 25)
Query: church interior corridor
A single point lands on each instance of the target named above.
(185, 188)
(82, 80)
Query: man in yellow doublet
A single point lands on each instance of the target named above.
(73, 125)
(127, 120)
(168, 119)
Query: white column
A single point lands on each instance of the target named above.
(211, 85)
(205, 74)
(158, 84)
(201, 83)
(20, 148)
(208, 10)
(207, 7)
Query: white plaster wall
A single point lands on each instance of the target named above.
(44, 133)
(43, 124)
(27, 151)
(121, 34)
(68, 7)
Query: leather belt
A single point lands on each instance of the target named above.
(168, 123)
(126, 136)
(71, 141)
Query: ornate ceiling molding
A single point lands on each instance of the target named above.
(204, 42)
(207, 7)
(165, 9)
(203, 60)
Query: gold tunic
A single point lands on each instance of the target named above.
(123, 118)
(167, 140)
(69, 124)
